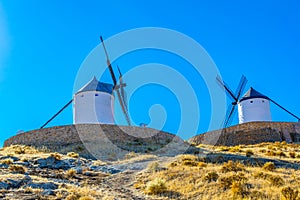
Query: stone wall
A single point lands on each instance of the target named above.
(251, 133)
(95, 140)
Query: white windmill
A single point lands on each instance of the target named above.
(94, 102)
(253, 106)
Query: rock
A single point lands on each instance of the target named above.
(78, 170)
(10, 157)
(105, 169)
(53, 163)
(45, 186)
(4, 166)
(48, 192)
(4, 185)
(62, 165)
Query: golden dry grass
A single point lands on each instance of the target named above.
(187, 177)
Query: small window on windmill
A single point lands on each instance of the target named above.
(82, 95)
(251, 101)
(96, 95)
(263, 101)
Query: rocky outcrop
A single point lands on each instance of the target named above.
(251, 133)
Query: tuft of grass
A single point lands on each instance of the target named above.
(157, 186)
(17, 169)
(225, 182)
(276, 180)
(292, 154)
(289, 193)
(235, 149)
(232, 166)
(87, 198)
(154, 167)
(269, 166)
(280, 154)
(131, 155)
(56, 155)
(73, 155)
(249, 153)
(211, 176)
(70, 173)
(7, 161)
(238, 189)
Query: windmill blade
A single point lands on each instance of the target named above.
(64, 107)
(121, 86)
(125, 112)
(225, 86)
(229, 115)
(285, 109)
(109, 64)
(241, 86)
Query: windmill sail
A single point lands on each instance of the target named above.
(285, 109)
(64, 107)
(234, 96)
(116, 87)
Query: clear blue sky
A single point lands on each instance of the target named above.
(43, 43)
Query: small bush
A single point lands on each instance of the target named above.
(153, 167)
(249, 153)
(73, 155)
(70, 173)
(56, 155)
(211, 176)
(280, 153)
(226, 181)
(202, 164)
(72, 197)
(17, 168)
(87, 198)
(131, 155)
(224, 149)
(157, 186)
(269, 166)
(235, 149)
(289, 193)
(292, 154)
(232, 166)
(262, 151)
(7, 161)
(276, 180)
(270, 153)
(238, 189)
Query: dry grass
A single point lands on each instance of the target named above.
(73, 155)
(17, 169)
(231, 180)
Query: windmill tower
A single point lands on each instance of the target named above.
(254, 106)
(94, 103)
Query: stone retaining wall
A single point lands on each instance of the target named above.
(251, 133)
(95, 140)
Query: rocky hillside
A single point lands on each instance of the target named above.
(263, 171)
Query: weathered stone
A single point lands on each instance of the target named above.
(4, 185)
(48, 192)
(44, 186)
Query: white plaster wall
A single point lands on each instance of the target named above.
(256, 109)
(93, 107)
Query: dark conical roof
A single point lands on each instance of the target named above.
(252, 94)
(95, 85)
